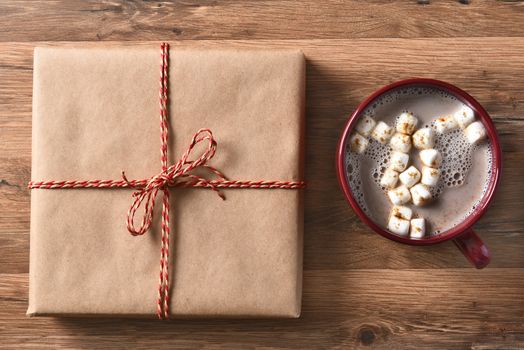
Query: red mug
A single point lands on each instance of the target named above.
(468, 242)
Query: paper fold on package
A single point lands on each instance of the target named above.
(96, 113)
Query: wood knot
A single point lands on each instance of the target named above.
(366, 336)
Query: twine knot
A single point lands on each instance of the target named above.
(177, 175)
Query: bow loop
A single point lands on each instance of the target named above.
(185, 164)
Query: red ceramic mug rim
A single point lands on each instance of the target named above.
(496, 161)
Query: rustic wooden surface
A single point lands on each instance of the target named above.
(360, 290)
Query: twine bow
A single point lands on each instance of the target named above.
(176, 175)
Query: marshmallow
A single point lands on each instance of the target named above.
(430, 157)
(475, 132)
(410, 177)
(389, 179)
(365, 125)
(398, 226)
(418, 228)
(430, 176)
(402, 212)
(424, 138)
(406, 123)
(400, 142)
(382, 132)
(445, 124)
(399, 195)
(420, 194)
(399, 161)
(358, 143)
(464, 117)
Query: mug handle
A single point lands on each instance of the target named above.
(470, 244)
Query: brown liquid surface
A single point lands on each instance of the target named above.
(468, 168)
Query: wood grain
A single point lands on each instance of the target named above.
(340, 74)
(389, 309)
(267, 19)
(360, 290)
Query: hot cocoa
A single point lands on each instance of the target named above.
(456, 184)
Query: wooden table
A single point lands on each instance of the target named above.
(360, 290)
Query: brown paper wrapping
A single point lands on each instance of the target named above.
(95, 113)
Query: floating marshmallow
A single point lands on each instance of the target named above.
(358, 143)
(430, 157)
(398, 226)
(410, 177)
(406, 123)
(399, 161)
(382, 132)
(420, 194)
(424, 138)
(365, 125)
(464, 117)
(418, 228)
(401, 142)
(445, 124)
(399, 195)
(389, 179)
(402, 212)
(430, 176)
(475, 132)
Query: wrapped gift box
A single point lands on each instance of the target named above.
(95, 113)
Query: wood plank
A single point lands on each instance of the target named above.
(389, 309)
(360, 290)
(340, 74)
(236, 19)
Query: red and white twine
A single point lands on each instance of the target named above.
(176, 175)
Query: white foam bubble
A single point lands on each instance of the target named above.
(352, 162)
